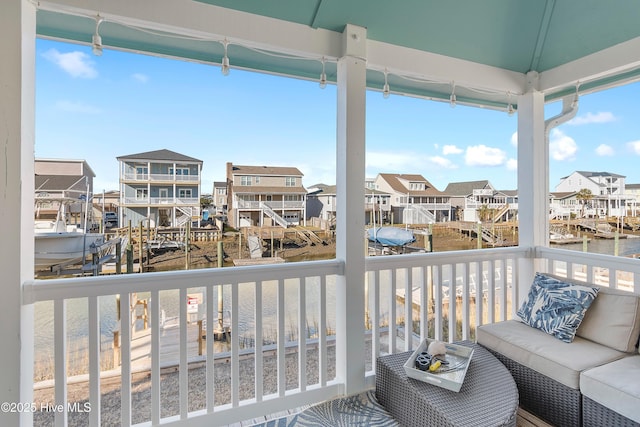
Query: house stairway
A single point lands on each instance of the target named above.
(273, 215)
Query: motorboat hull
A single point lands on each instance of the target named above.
(65, 247)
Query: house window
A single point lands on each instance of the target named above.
(257, 180)
(141, 194)
(245, 180)
(179, 171)
(184, 193)
(290, 181)
(291, 197)
(222, 191)
(163, 193)
(142, 171)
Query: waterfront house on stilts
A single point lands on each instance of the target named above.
(503, 55)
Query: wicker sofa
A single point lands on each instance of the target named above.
(592, 381)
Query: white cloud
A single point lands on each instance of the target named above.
(139, 77)
(514, 139)
(561, 146)
(481, 155)
(442, 162)
(512, 164)
(604, 150)
(77, 107)
(634, 146)
(76, 64)
(600, 117)
(451, 149)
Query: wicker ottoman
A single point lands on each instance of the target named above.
(488, 397)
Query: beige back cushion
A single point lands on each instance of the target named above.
(613, 319)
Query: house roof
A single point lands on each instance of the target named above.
(488, 50)
(590, 174)
(562, 194)
(266, 170)
(59, 183)
(395, 182)
(160, 155)
(331, 190)
(465, 188)
(632, 186)
(219, 183)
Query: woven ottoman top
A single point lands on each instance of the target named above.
(488, 397)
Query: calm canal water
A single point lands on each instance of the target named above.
(77, 324)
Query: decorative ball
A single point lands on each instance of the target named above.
(437, 348)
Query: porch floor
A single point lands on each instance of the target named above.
(525, 419)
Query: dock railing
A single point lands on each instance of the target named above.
(443, 295)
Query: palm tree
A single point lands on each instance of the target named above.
(584, 195)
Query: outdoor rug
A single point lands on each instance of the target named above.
(359, 410)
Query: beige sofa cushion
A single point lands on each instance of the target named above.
(613, 320)
(615, 385)
(619, 331)
(543, 353)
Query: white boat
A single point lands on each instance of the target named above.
(57, 242)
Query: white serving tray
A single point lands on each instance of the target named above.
(449, 376)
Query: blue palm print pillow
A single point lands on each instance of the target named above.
(556, 307)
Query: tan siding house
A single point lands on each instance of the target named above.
(265, 196)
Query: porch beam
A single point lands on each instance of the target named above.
(17, 128)
(350, 173)
(533, 179)
(197, 19)
(621, 58)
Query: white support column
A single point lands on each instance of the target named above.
(17, 128)
(533, 178)
(350, 171)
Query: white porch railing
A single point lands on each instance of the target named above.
(408, 297)
(160, 177)
(162, 201)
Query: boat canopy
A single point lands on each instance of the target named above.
(391, 236)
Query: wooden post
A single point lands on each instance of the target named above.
(220, 254)
(130, 251)
(272, 243)
(239, 244)
(119, 257)
(116, 349)
(584, 243)
(187, 238)
(616, 244)
(200, 338)
(479, 235)
(140, 253)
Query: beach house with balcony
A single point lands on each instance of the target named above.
(265, 196)
(556, 56)
(414, 200)
(321, 203)
(479, 200)
(608, 193)
(162, 186)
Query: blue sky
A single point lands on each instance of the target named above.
(98, 108)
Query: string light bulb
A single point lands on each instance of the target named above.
(452, 98)
(385, 88)
(225, 59)
(96, 40)
(323, 76)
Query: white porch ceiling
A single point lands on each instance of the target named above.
(486, 49)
